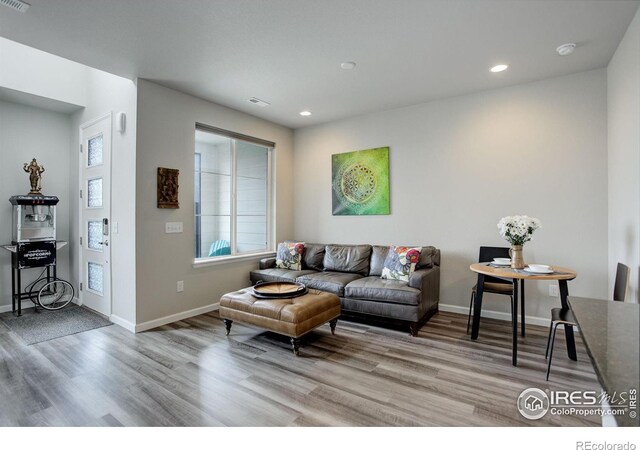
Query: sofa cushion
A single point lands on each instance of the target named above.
(400, 263)
(383, 310)
(347, 258)
(333, 282)
(277, 274)
(313, 256)
(379, 253)
(428, 257)
(289, 255)
(381, 290)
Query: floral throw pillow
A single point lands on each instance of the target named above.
(289, 255)
(400, 263)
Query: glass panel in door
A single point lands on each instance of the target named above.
(94, 151)
(94, 235)
(95, 277)
(94, 193)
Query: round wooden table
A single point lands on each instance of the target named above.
(560, 274)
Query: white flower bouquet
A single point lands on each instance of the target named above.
(518, 229)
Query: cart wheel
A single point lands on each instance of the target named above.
(55, 295)
(35, 288)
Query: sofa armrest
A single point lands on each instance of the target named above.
(419, 278)
(267, 263)
(428, 281)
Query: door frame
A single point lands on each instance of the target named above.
(80, 186)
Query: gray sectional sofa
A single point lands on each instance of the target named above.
(352, 272)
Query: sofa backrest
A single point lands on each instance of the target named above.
(436, 255)
(353, 257)
(378, 255)
(347, 258)
(313, 256)
(429, 256)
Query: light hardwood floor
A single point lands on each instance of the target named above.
(190, 374)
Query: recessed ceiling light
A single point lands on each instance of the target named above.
(499, 68)
(305, 113)
(348, 65)
(566, 49)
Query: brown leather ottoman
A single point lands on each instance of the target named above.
(293, 317)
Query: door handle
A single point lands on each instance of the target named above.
(105, 242)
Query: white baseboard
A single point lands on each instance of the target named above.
(129, 326)
(30, 305)
(498, 315)
(175, 317)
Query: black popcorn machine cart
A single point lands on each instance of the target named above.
(34, 245)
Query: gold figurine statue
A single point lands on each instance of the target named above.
(35, 176)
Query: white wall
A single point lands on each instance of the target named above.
(27, 132)
(458, 165)
(166, 138)
(109, 93)
(623, 76)
(41, 78)
(26, 69)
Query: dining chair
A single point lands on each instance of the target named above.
(561, 316)
(621, 283)
(492, 284)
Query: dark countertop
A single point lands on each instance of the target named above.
(611, 333)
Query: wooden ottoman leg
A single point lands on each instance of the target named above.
(332, 324)
(227, 324)
(295, 343)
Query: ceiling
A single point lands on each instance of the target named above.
(288, 52)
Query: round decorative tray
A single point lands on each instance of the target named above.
(279, 289)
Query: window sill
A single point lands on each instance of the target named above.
(214, 261)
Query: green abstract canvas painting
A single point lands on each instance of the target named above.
(360, 182)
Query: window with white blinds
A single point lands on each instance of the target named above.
(233, 184)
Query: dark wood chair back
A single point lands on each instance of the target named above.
(620, 286)
(487, 254)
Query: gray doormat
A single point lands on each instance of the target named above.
(34, 327)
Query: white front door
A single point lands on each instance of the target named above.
(95, 214)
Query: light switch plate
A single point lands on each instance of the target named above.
(180, 286)
(173, 227)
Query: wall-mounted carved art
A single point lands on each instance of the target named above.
(168, 188)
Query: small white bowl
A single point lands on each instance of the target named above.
(502, 260)
(539, 267)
